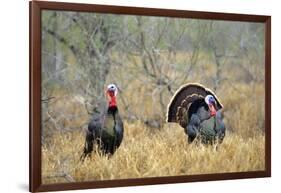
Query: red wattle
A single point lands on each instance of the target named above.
(212, 110)
(112, 102)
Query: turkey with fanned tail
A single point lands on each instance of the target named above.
(198, 110)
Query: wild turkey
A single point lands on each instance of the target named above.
(106, 128)
(198, 110)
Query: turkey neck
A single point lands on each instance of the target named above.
(113, 110)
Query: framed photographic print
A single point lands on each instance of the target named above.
(124, 96)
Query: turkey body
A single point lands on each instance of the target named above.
(105, 131)
(208, 129)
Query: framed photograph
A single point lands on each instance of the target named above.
(125, 96)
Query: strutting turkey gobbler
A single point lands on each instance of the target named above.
(106, 128)
(198, 110)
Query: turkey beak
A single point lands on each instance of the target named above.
(212, 109)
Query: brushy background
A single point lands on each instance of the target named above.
(149, 58)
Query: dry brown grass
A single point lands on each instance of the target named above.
(146, 153)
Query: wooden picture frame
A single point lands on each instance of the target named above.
(36, 7)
